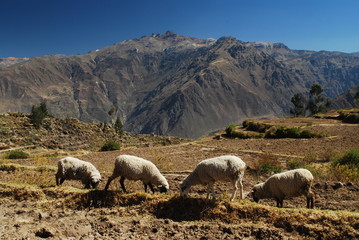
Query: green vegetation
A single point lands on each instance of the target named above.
(255, 126)
(349, 117)
(38, 114)
(110, 145)
(118, 126)
(315, 104)
(299, 105)
(256, 130)
(16, 155)
(284, 132)
(350, 158)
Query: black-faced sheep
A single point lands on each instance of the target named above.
(70, 168)
(136, 168)
(292, 183)
(207, 172)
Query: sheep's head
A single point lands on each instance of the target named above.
(184, 189)
(163, 189)
(95, 180)
(256, 192)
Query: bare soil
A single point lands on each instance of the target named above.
(32, 207)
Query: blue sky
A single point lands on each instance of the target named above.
(31, 28)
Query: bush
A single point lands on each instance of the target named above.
(110, 145)
(349, 117)
(283, 132)
(255, 126)
(350, 158)
(233, 132)
(16, 155)
(230, 129)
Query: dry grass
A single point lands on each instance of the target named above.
(303, 222)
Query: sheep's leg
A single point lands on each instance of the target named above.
(151, 187)
(122, 180)
(279, 202)
(57, 180)
(62, 180)
(310, 200)
(208, 189)
(211, 187)
(108, 182)
(235, 188)
(144, 184)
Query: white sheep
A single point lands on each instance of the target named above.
(291, 183)
(136, 168)
(70, 168)
(207, 172)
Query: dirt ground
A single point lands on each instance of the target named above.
(42, 214)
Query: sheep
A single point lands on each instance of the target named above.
(222, 168)
(70, 168)
(291, 183)
(136, 168)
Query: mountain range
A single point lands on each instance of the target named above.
(169, 84)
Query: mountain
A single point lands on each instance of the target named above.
(346, 99)
(169, 84)
(5, 62)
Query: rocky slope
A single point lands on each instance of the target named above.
(174, 85)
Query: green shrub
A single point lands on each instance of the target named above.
(16, 155)
(349, 117)
(255, 126)
(283, 132)
(233, 132)
(350, 158)
(110, 145)
(230, 129)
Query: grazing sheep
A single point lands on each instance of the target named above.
(292, 183)
(136, 168)
(70, 168)
(207, 172)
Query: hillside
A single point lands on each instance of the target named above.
(175, 85)
(68, 135)
(32, 206)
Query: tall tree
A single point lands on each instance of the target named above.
(118, 126)
(37, 115)
(299, 105)
(316, 102)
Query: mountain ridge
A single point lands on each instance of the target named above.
(169, 84)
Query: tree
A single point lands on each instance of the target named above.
(37, 115)
(299, 105)
(315, 103)
(118, 126)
